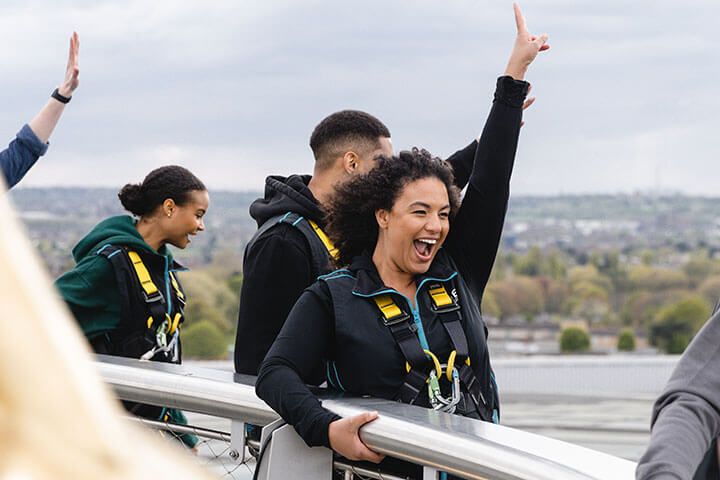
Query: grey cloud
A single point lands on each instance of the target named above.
(234, 88)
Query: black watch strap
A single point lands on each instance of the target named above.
(60, 98)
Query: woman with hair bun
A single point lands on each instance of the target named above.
(123, 290)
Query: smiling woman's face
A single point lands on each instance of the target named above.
(416, 227)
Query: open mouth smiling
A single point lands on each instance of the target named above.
(424, 247)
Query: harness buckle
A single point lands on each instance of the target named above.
(397, 319)
(441, 300)
(155, 297)
(451, 308)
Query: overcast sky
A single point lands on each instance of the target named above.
(627, 95)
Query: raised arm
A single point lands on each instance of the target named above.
(475, 231)
(31, 141)
(45, 121)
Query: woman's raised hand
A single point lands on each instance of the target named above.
(526, 47)
(72, 72)
(345, 439)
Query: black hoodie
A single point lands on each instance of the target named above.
(278, 266)
(276, 269)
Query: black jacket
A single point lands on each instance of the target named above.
(312, 333)
(278, 267)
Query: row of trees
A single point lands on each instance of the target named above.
(636, 290)
(212, 310)
(639, 291)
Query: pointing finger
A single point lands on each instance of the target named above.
(519, 19)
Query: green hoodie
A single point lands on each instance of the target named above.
(90, 289)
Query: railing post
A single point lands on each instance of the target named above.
(237, 441)
(430, 473)
(285, 455)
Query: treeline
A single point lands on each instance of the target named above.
(667, 295)
(212, 310)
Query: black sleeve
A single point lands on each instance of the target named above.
(475, 231)
(298, 351)
(276, 271)
(462, 164)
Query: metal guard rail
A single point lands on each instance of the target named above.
(463, 446)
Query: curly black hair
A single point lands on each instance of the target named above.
(344, 129)
(172, 181)
(351, 223)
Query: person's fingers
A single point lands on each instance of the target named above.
(519, 19)
(359, 420)
(70, 54)
(528, 102)
(530, 87)
(541, 41)
(544, 47)
(367, 454)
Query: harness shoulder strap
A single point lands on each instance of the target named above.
(329, 246)
(321, 248)
(448, 311)
(130, 270)
(403, 331)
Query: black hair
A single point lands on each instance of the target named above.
(341, 128)
(351, 223)
(171, 181)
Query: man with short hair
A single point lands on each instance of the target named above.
(290, 250)
(281, 261)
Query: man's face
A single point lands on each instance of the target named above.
(367, 161)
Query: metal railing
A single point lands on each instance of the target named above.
(437, 441)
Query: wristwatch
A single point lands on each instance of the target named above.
(60, 98)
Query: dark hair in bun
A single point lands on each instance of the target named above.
(172, 181)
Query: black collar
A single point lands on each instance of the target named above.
(368, 282)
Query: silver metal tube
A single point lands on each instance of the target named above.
(451, 443)
(175, 428)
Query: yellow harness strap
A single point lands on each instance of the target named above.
(440, 297)
(387, 306)
(332, 250)
(176, 286)
(142, 273)
(150, 289)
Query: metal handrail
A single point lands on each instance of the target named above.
(459, 445)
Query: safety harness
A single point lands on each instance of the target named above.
(322, 250)
(155, 337)
(423, 367)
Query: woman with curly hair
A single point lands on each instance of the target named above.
(402, 320)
